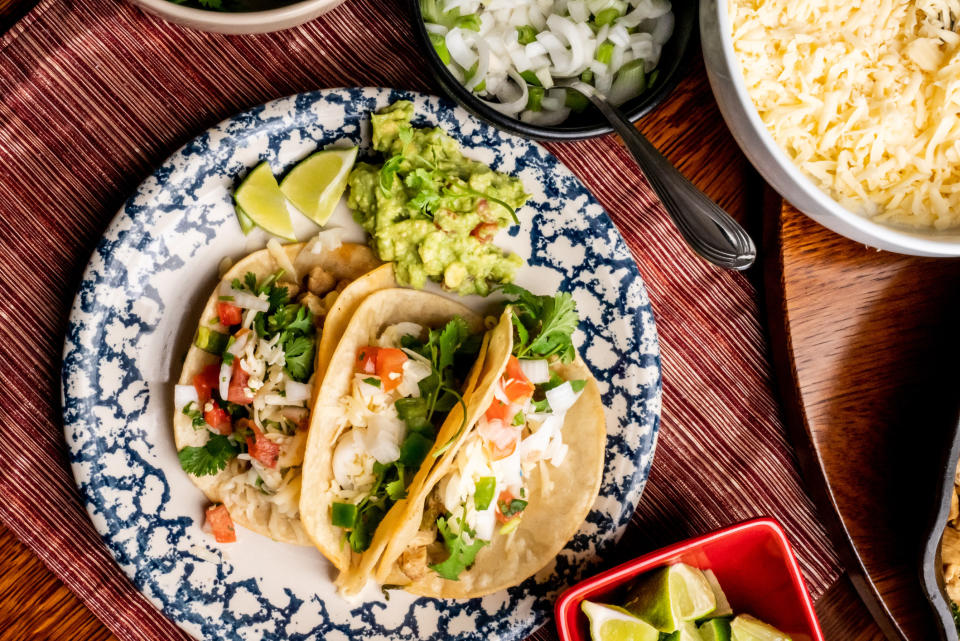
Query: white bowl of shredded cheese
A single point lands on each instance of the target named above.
(850, 110)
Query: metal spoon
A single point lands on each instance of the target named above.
(707, 228)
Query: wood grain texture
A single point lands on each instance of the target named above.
(866, 349)
(35, 605)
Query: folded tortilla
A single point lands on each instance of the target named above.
(277, 515)
(378, 311)
(559, 497)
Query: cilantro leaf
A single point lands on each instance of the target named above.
(462, 554)
(250, 280)
(209, 459)
(388, 172)
(548, 323)
(299, 357)
(196, 417)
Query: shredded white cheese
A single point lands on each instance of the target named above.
(864, 97)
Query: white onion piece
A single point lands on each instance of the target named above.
(483, 64)
(226, 373)
(514, 107)
(436, 28)
(460, 51)
(183, 395)
(536, 371)
(296, 392)
(327, 240)
(545, 118)
(562, 397)
(244, 299)
(279, 255)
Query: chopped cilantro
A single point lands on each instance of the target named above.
(462, 554)
(512, 507)
(519, 419)
(196, 417)
(373, 380)
(545, 324)
(210, 458)
(299, 356)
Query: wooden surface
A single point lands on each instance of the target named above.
(865, 344)
(35, 605)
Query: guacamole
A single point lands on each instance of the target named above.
(430, 210)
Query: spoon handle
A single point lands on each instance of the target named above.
(707, 228)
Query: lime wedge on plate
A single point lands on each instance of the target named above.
(668, 596)
(246, 224)
(612, 623)
(723, 606)
(260, 199)
(747, 628)
(715, 630)
(686, 632)
(315, 184)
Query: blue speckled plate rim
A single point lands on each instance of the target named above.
(653, 390)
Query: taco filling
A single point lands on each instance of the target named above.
(242, 406)
(486, 490)
(402, 388)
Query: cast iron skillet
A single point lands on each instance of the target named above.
(589, 123)
(931, 567)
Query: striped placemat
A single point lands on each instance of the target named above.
(93, 94)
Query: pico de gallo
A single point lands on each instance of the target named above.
(485, 493)
(402, 389)
(252, 401)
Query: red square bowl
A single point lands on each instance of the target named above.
(752, 560)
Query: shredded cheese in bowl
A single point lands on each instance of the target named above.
(864, 98)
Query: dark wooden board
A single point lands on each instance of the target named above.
(865, 346)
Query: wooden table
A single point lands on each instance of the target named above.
(688, 128)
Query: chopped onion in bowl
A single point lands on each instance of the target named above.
(514, 53)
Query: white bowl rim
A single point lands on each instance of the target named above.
(918, 240)
(293, 11)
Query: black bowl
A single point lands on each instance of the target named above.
(589, 123)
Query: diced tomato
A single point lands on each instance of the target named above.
(505, 498)
(261, 448)
(499, 411)
(207, 380)
(217, 418)
(218, 518)
(367, 359)
(500, 437)
(517, 386)
(390, 362)
(229, 313)
(239, 392)
(484, 232)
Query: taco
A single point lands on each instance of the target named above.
(509, 493)
(399, 382)
(243, 397)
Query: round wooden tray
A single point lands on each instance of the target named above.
(865, 347)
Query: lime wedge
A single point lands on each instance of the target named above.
(668, 596)
(715, 629)
(747, 628)
(315, 184)
(612, 623)
(246, 224)
(723, 606)
(260, 199)
(686, 632)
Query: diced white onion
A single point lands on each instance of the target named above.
(244, 299)
(183, 395)
(279, 255)
(327, 240)
(565, 46)
(226, 372)
(536, 370)
(562, 397)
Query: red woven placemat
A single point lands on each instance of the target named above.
(94, 94)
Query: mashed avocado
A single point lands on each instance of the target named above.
(430, 210)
